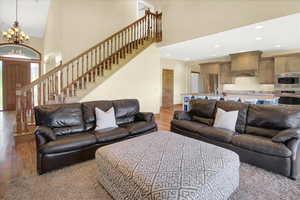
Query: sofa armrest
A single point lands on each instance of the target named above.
(144, 116)
(294, 146)
(286, 135)
(44, 134)
(182, 115)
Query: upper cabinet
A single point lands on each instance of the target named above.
(266, 71)
(248, 61)
(287, 63)
(225, 73)
(210, 68)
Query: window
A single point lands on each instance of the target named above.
(1, 88)
(18, 51)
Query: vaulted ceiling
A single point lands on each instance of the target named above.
(32, 15)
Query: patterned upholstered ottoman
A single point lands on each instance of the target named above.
(165, 165)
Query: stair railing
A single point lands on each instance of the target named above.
(64, 80)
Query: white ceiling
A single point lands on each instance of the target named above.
(32, 15)
(273, 35)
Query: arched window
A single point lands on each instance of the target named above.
(18, 51)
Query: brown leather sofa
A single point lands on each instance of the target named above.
(65, 134)
(266, 136)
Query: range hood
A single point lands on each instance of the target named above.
(245, 73)
(245, 64)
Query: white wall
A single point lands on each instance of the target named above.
(140, 79)
(187, 19)
(74, 25)
(181, 72)
(247, 83)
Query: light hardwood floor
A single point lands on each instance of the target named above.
(18, 155)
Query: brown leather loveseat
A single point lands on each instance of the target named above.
(266, 136)
(65, 134)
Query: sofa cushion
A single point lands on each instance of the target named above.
(88, 109)
(139, 127)
(110, 134)
(64, 118)
(286, 135)
(261, 144)
(69, 143)
(219, 134)
(203, 108)
(265, 132)
(202, 120)
(187, 125)
(273, 117)
(242, 116)
(126, 110)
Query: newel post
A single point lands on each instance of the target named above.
(18, 109)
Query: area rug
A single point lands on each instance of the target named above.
(80, 182)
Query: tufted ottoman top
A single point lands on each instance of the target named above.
(165, 165)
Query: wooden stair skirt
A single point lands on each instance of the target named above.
(64, 81)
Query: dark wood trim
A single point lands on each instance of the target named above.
(20, 59)
(195, 72)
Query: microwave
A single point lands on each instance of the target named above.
(288, 81)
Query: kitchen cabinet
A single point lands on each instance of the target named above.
(247, 61)
(225, 73)
(287, 63)
(266, 71)
(210, 68)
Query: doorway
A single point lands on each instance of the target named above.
(19, 64)
(168, 88)
(14, 72)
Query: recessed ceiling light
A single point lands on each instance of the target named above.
(258, 38)
(259, 27)
(217, 46)
(278, 45)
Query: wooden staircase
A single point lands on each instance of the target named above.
(71, 81)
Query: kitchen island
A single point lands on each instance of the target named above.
(252, 97)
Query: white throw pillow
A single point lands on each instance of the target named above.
(226, 120)
(105, 119)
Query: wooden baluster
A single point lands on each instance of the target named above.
(75, 89)
(109, 53)
(115, 47)
(116, 50)
(48, 89)
(19, 109)
(39, 94)
(44, 92)
(140, 31)
(61, 81)
(24, 112)
(94, 68)
(67, 80)
(124, 44)
(32, 106)
(130, 39)
(136, 35)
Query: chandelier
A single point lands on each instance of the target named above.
(15, 34)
